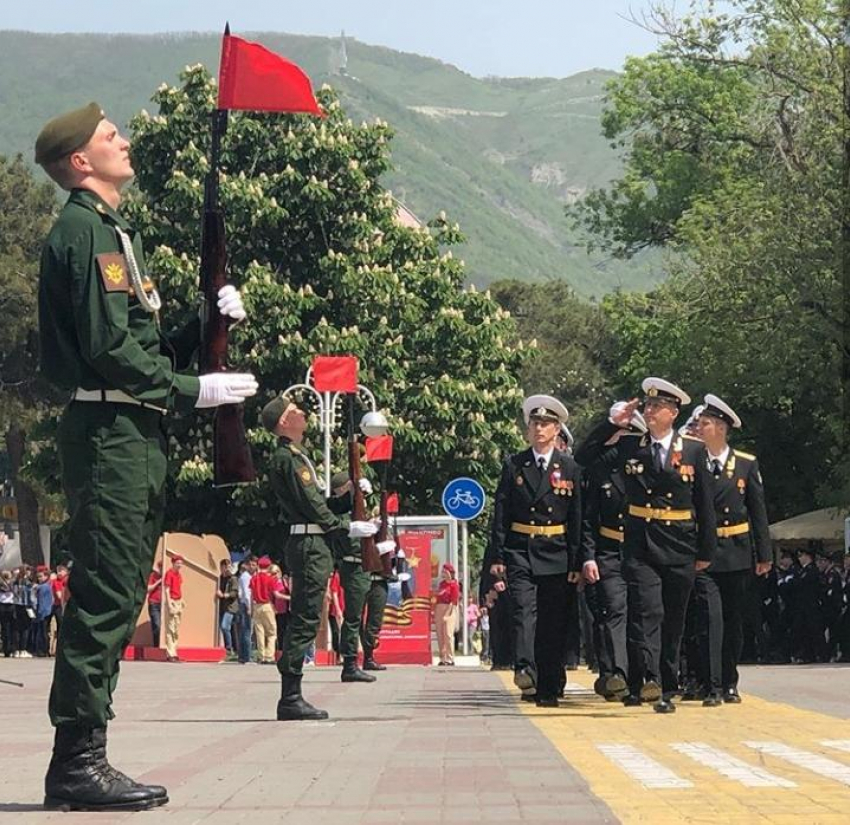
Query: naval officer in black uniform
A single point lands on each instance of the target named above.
(743, 539)
(534, 542)
(603, 534)
(670, 528)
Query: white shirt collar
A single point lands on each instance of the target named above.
(664, 442)
(721, 458)
(546, 456)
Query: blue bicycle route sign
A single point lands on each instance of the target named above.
(463, 498)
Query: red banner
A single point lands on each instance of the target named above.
(406, 634)
(253, 78)
(379, 448)
(335, 373)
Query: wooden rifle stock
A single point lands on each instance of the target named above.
(232, 460)
(368, 548)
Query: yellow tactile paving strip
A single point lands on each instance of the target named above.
(583, 722)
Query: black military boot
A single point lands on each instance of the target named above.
(369, 662)
(79, 778)
(292, 706)
(99, 741)
(352, 673)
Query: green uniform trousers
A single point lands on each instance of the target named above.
(113, 459)
(376, 601)
(310, 564)
(355, 583)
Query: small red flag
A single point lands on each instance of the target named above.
(379, 448)
(251, 77)
(335, 373)
(392, 503)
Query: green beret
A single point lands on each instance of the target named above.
(67, 133)
(273, 411)
(339, 480)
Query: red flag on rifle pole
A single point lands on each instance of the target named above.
(335, 373)
(392, 504)
(254, 78)
(379, 448)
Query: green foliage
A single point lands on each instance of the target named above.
(28, 208)
(735, 139)
(571, 339)
(325, 268)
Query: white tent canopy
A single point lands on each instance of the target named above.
(818, 525)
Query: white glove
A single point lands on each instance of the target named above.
(230, 303)
(365, 486)
(219, 388)
(361, 529)
(616, 411)
(385, 547)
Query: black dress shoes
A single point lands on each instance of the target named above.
(650, 691)
(731, 696)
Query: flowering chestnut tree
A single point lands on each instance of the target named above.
(325, 266)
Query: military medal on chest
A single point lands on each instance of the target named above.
(633, 467)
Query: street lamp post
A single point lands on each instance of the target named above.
(373, 423)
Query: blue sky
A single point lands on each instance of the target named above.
(499, 37)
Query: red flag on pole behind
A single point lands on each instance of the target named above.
(379, 448)
(335, 373)
(392, 503)
(254, 78)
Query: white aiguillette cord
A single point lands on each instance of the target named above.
(151, 301)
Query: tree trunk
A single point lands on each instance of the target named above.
(26, 499)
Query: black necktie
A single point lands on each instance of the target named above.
(541, 464)
(656, 456)
(715, 467)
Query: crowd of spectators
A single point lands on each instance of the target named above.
(32, 600)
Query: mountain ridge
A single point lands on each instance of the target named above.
(502, 156)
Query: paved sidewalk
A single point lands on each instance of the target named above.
(421, 745)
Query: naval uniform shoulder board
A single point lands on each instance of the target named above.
(293, 449)
(749, 456)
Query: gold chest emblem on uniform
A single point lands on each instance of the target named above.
(305, 475)
(114, 273)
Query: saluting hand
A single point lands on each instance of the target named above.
(621, 412)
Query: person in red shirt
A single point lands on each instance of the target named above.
(281, 597)
(336, 610)
(262, 613)
(155, 602)
(445, 613)
(175, 604)
(58, 584)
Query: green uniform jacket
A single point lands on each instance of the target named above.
(94, 332)
(299, 495)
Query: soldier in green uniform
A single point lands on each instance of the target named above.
(101, 344)
(373, 618)
(356, 582)
(312, 528)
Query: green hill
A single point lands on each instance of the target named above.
(501, 156)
